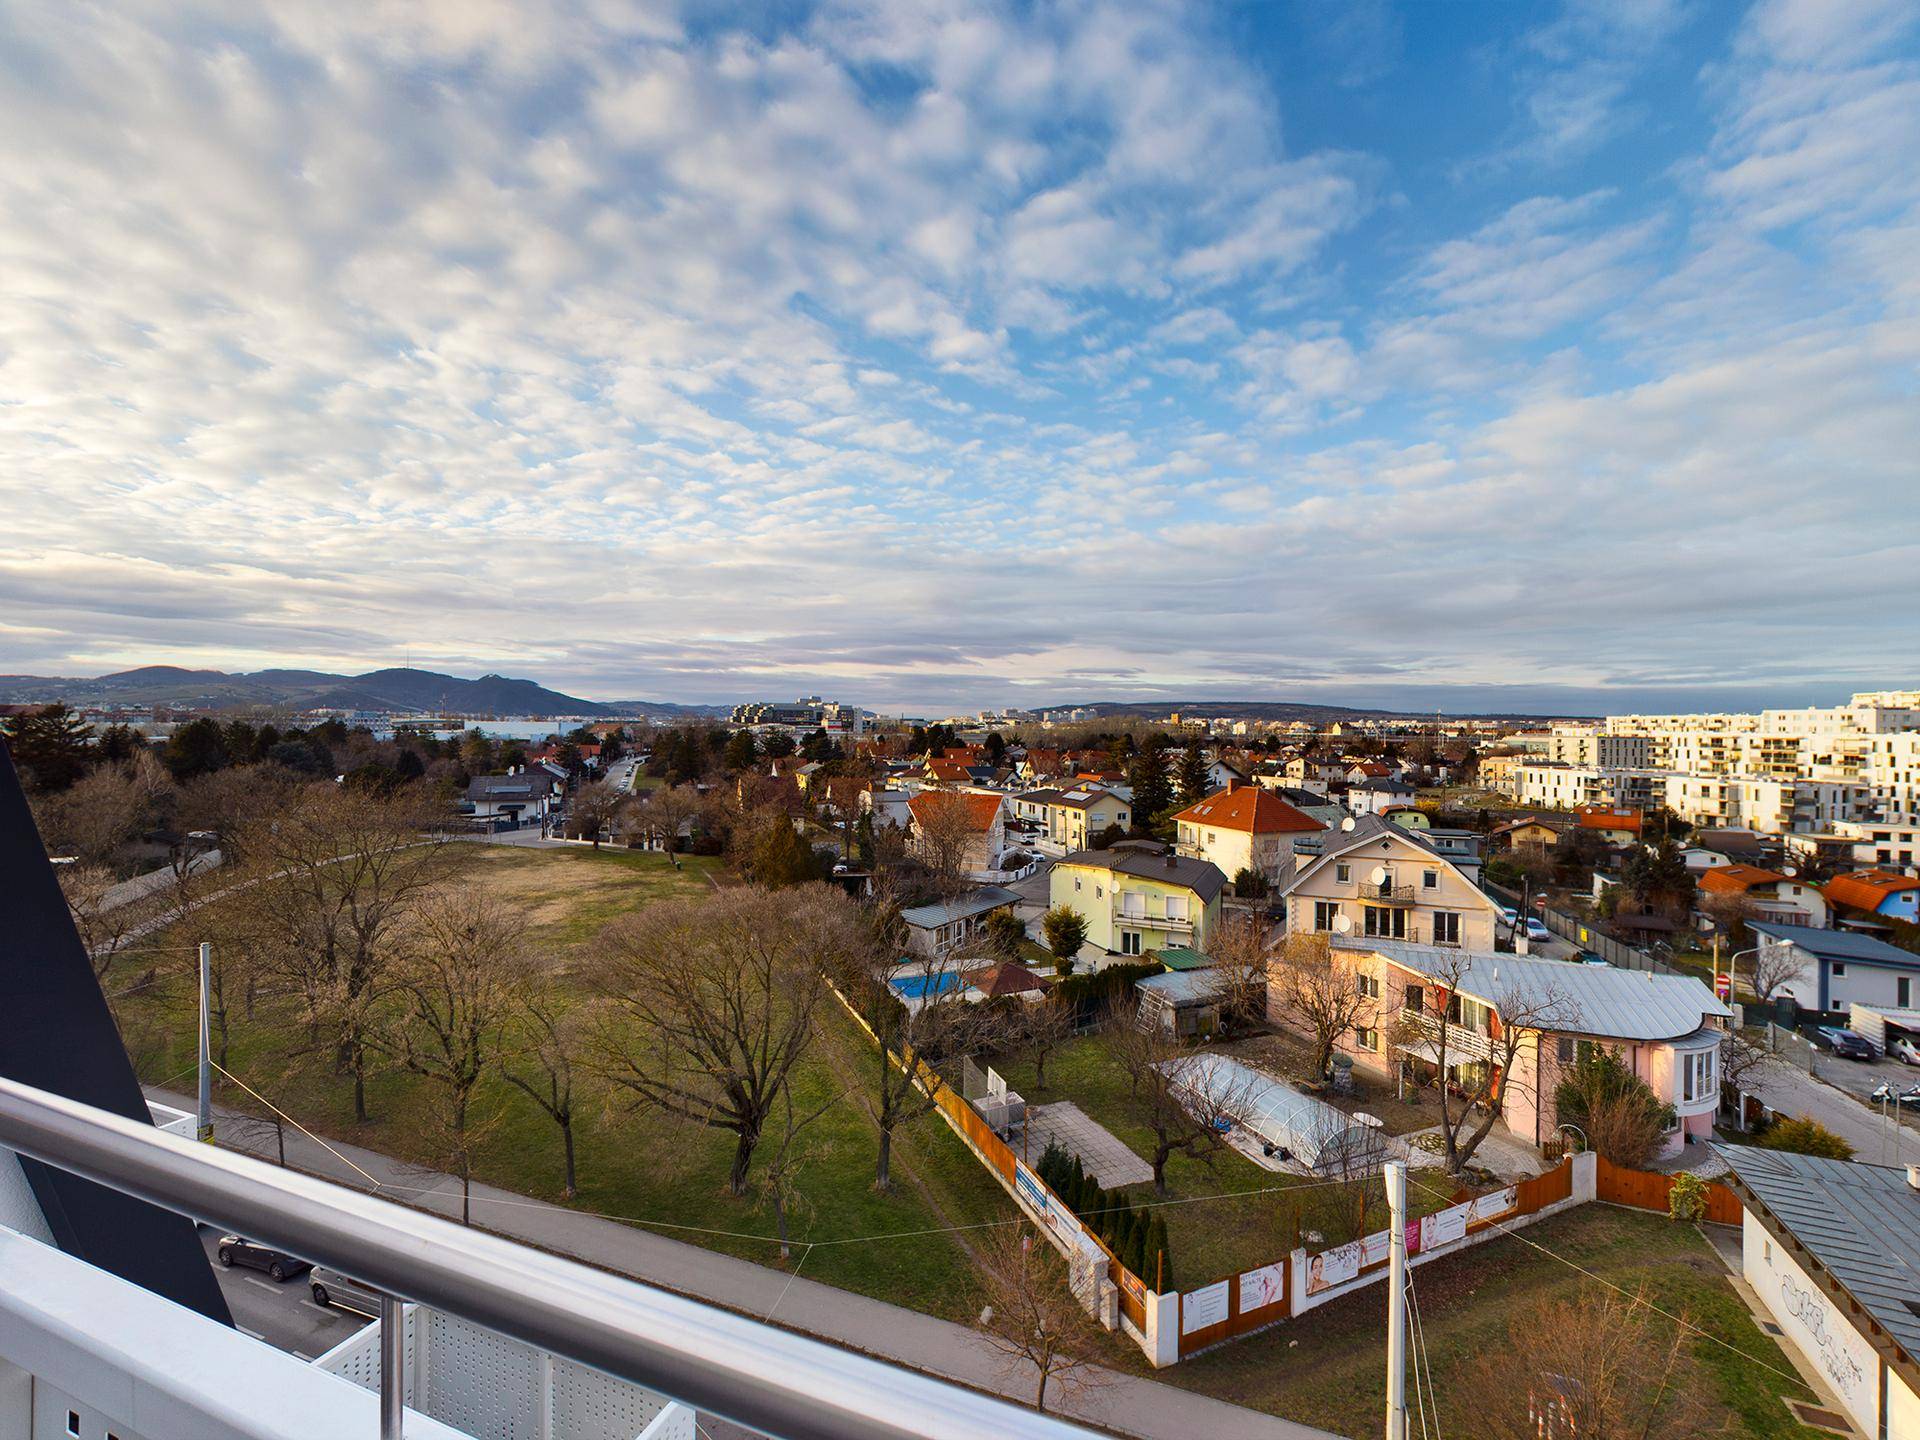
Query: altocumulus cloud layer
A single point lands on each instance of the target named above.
(939, 352)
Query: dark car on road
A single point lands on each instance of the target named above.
(277, 1263)
(1846, 1043)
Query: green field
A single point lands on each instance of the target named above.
(636, 1166)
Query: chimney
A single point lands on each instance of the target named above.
(1913, 1177)
(1169, 862)
(1233, 785)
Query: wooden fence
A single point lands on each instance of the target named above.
(999, 1158)
(1645, 1190)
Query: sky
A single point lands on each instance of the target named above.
(941, 355)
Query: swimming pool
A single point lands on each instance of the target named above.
(918, 987)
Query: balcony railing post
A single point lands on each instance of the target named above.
(393, 1368)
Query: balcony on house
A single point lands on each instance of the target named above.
(1463, 1042)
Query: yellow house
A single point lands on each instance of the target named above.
(1135, 901)
(1075, 817)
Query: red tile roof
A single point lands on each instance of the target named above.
(946, 770)
(1868, 889)
(1251, 808)
(1737, 879)
(980, 809)
(1601, 817)
(1005, 979)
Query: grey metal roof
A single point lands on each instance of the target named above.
(1861, 1222)
(1183, 987)
(1595, 1000)
(978, 902)
(1202, 877)
(1842, 945)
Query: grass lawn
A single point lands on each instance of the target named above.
(1329, 1367)
(636, 1166)
(1225, 1217)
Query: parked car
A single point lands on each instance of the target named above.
(281, 1266)
(1587, 957)
(1847, 1044)
(1537, 932)
(1905, 1049)
(343, 1292)
(1508, 915)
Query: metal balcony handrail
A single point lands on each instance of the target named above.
(754, 1374)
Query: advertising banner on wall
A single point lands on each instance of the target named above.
(1263, 1287)
(1444, 1227)
(1492, 1207)
(1203, 1307)
(1333, 1267)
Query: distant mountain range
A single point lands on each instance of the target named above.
(396, 690)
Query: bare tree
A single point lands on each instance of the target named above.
(463, 969)
(1241, 949)
(594, 809)
(540, 1064)
(1314, 986)
(1743, 1065)
(1772, 965)
(710, 1004)
(842, 802)
(1031, 1316)
(779, 1179)
(1181, 1101)
(667, 812)
(104, 809)
(945, 833)
(1473, 1057)
(1730, 911)
(104, 927)
(1603, 1366)
(1040, 1029)
(332, 874)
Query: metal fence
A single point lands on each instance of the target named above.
(1587, 935)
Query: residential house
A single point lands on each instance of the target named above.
(1307, 769)
(935, 931)
(1529, 833)
(1665, 1028)
(519, 797)
(1076, 817)
(1829, 1247)
(1243, 827)
(1885, 893)
(1836, 968)
(1316, 804)
(983, 817)
(1223, 773)
(1366, 772)
(1616, 825)
(1376, 879)
(887, 807)
(1775, 896)
(1135, 901)
(1375, 797)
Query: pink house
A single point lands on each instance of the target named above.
(1666, 1028)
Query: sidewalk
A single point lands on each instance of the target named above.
(1123, 1404)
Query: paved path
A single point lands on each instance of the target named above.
(1123, 1404)
(1101, 1153)
(154, 881)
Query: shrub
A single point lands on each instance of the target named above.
(1806, 1137)
(1004, 933)
(1688, 1198)
(1090, 994)
(1614, 1108)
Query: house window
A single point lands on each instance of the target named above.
(1343, 873)
(1176, 907)
(1413, 997)
(1839, 969)
(1324, 912)
(1697, 1081)
(1386, 924)
(1903, 992)
(1563, 1049)
(1098, 893)
(1129, 942)
(1076, 882)
(1446, 927)
(1366, 1038)
(1369, 986)
(1430, 879)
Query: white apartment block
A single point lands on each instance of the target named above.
(1565, 787)
(1589, 745)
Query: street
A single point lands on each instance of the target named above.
(1790, 1090)
(282, 1314)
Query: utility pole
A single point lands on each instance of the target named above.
(1396, 1178)
(203, 1129)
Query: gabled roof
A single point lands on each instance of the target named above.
(983, 901)
(980, 810)
(1860, 1223)
(946, 770)
(1084, 798)
(1183, 957)
(1841, 945)
(1598, 1000)
(1357, 832)
(1202, 877)
(1248, 808)
(1737, 879)
(1868, 889)
(1005, 979)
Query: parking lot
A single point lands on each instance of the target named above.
(282, 1313)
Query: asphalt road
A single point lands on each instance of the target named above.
(283, 1315)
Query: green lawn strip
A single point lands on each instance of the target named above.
(635, 1166)
(1327, 1368)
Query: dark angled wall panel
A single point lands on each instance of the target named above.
(57, 1033)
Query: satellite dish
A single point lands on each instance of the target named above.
(1788, 871)
(1347, 824)
(1343, 923)
(1379, 876)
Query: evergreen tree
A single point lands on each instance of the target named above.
(51, 744)
(778, 745)
(1152, 789)
(197, 748)
(741, 751)
(1192, 775)
(1159, 1257)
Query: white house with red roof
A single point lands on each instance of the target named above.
(1243, 827)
